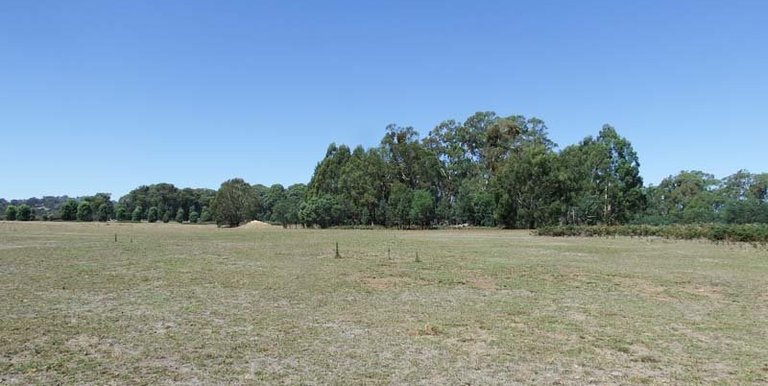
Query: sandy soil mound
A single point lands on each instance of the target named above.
(257, 224)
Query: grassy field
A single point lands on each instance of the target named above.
(169, 304)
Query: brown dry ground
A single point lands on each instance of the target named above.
(185, 304)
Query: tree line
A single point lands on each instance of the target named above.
(488, 170)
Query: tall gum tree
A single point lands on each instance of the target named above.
(604, 174)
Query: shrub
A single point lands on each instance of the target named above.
(10, 213)
(747, 233)
(24, 213)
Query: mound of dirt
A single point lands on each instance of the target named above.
(257, 224)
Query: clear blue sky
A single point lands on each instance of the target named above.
(104, 96)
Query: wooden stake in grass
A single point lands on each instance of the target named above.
(115, 237)
(389, 253)
(417, 257)
(338, 256)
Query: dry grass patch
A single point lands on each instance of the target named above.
(644, 288)
(183, 304)
(427, 330)
(383, 283)
(482, 282)
(714, 293)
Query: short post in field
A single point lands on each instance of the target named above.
(338, 256)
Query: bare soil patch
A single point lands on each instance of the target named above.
(256, 224)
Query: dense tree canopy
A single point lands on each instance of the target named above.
(24, 213)
(137, 214)
(84, 212)
(69, 210)
(167, 199)
(152, 214)
(698, 197)
(234, 202)
(488, 170)
(121, 214)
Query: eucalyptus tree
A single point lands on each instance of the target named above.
(137, 214)
(153, 214)
(24, 213)
(528, 187)
(604, 174)
(687, 197)
(68, 211)
(103, 212)
(84, 212)
(422, 211)
(121, 214)
(743, 196)
(10, 212)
